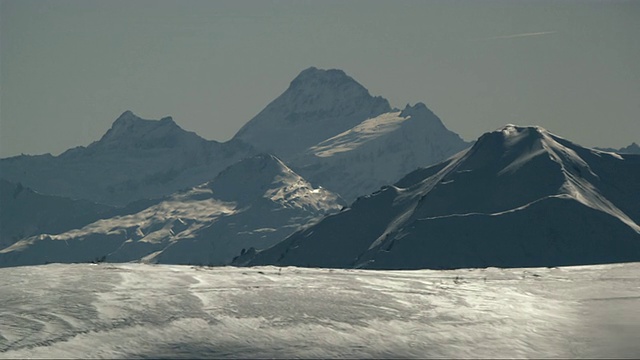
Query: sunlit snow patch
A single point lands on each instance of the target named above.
(364, 132)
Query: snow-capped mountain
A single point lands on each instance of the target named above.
(318, 105)
(329, 129)
(325, 126)
(253, 203)
(631, 149)
(136, 159)
(378, 151)
(519, 197)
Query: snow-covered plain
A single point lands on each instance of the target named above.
(170, 311)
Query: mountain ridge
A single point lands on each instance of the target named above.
(135, 159)
(520, 196)
(203, 225)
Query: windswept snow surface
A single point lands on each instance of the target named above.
(171, 311)
(362, 133)
(520, 196)
(253, 203)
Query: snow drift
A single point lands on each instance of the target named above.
(162, 311)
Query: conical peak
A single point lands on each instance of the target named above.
(318, 105)
(314, 84)
(314, 75)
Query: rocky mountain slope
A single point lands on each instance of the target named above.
(318, 105)
(519, 197)
(378, 151)
(330, 130)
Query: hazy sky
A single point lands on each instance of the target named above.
(69, 68)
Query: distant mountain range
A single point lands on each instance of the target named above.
(519, 197)
(136, 159)
(150, 191)
(253, 203)
(142, 159)
(631, 149)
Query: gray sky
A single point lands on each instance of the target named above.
(69, 68)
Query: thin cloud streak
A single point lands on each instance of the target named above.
(520, 35)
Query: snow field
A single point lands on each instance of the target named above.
(168, 311)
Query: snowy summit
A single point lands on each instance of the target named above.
(519, 197)
(317, 105)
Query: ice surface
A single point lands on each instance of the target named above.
(161, 311)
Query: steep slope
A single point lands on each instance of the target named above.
(378, 151)
(329, 129)
(519, 197)
(318, 105)
(253, 203)
(136, 159)
(24, 213)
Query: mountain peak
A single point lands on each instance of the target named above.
(510, 135)
(250, 175)
(265, 176)
(128, 119)
(313, 84)
(314, 75)
(631, 149)
(419, 109)
(317, 105)
(130, 130)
